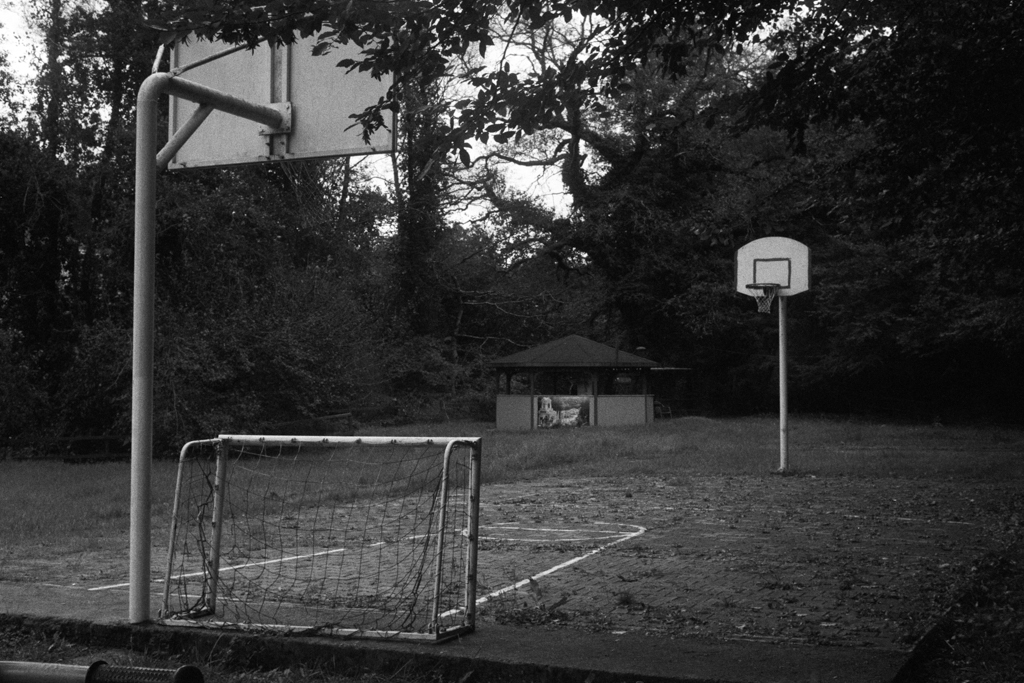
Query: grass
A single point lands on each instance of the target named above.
(749, 446)
(73, 507)
(70, 507)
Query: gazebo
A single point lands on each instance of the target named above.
(573, 382)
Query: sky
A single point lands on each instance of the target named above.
(14, 38)
(15, 42)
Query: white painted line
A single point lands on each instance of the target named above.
(264, 563)
(582, 535)
(543, 529)
(582, 539)
(519, 584)
(248, 564)
(623, 536)
(553, 539)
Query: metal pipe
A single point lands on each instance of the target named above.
(783, 391)
(285, 440)
(97, 672)
(474, 533)
(442, 520)
(156, 60)
(155, 86)
(206, 60)
(165, 611)
(200, 94)
(35, 672)
(181, 136)
(219, 501)
(142, 346)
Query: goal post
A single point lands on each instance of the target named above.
(356, 536)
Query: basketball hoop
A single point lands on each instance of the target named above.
(764, 294)
(767, 268)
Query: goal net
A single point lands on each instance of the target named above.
(353, 536)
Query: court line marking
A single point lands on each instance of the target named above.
(638, 530)
(583, 534)
(624, 536)
(262, 563)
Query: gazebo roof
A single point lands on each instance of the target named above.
(573, 351)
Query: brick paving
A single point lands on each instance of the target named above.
(840, 561)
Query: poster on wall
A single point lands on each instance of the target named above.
(563, 411)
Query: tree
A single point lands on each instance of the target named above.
(678, 129)
(929, 194)
(41, 196)
(420, 222)
(654, 175)
(9, 104)
(417, 40)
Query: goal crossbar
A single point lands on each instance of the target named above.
(363, 536)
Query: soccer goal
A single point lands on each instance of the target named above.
(356, 536)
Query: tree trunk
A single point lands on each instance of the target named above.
(420, 223)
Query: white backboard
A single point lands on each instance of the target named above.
(322, 95)
(773, 260)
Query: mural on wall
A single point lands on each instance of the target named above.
(563, 411)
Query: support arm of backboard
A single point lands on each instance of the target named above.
(153, 88)
(276, 117)
(181, 136)
(194, 92)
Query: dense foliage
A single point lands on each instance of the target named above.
(887, 136)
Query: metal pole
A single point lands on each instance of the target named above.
(474, 533)
(219, 501)
(142, 350)
(165, 609)
(154, 87)
(442, 520)
(783, 390)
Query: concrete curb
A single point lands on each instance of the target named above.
(494, 655)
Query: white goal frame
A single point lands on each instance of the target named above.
(443, 618)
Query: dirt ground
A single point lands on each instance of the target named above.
(838, 561)
(797, 559)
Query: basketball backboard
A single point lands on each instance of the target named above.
(773, 260)
(321, 95)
